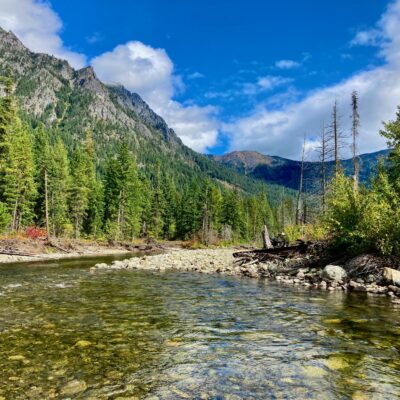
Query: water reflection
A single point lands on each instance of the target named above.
(67, 334)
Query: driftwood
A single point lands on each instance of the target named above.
(283, 251)
(245, 258)
(16, 253)
(57, 246)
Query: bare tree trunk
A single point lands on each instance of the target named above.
(335, 136)
(46, 202)
(355, 125)
(299, 195)
(323, 170)
(266, 239)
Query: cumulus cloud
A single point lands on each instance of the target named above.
(287, 64)
(280, 131)
(38, 27)
(150, 73)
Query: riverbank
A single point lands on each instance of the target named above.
(28, 250)
(365, 273)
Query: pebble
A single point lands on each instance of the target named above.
(221, 261)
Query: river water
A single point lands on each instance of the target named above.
(65, 333)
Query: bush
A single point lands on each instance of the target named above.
(364, 220)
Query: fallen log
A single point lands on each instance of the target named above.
(283, 251)
(16, 253)
(57, 246)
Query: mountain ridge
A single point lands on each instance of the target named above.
(69, 102)
(286, 172)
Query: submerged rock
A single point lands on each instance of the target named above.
(74, 387)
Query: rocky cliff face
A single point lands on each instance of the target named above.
(47, 86)
(70, 101)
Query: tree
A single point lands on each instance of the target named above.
(95, 213)
(391, 131)
(79, 190)
(17, 185)
(324, 152)
(123, 194)
(355, 119)
(300, 191)
(58, 184)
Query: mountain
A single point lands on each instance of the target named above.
(285, 172)
(69, 101)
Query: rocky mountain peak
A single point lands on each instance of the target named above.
(8, 38)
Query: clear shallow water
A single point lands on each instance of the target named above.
(127, 335)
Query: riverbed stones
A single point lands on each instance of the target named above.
(357, 287)
(334, 273)
(83, 343)
(392, 276)
(289, 271)
(73, 387)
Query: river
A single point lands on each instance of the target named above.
(66, 333)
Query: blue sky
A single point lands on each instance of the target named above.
(230, 74)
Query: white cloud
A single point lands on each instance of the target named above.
(95, 37)
(371, 37)
(287, 64)
(38, 27)
(263, 84)
(196, 75)
(281, 130)
(271, 82)
(150, 73)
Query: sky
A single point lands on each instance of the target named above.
(232, 74)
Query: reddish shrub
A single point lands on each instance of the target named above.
(33, 232)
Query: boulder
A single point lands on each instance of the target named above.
(333, 273)
(392, 276)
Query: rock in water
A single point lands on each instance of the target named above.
(333, 273)
(392, 276)
(357, 287)
(73, 387)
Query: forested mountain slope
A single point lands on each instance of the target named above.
(285, 172)
(112, 166)
(68, 102)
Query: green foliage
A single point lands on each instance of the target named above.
(364, 220)
(98, 188)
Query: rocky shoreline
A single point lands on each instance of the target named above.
(351, 276)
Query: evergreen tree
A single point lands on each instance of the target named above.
(58, 185)
(79, 190)
(17, 185)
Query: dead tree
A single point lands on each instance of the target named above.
(335, 133)
(355, 118)
(325, 154)
(266, 239)
(300, 192)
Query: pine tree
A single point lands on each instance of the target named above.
(79, 190)
(95, 213)
(158, 205)
(58, 185)
(18, 186)
(123, 194)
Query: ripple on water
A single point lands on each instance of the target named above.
(175, 336)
